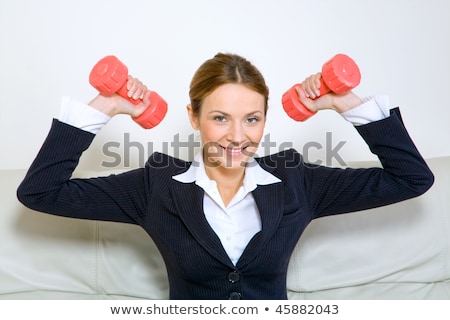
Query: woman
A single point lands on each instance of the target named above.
(227, 223)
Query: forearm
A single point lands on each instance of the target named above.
(404, 173)
(59, 155)
(391, 142)
(53, 166)
(48, 186)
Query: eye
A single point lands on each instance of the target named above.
(220, 118)
(252, 120)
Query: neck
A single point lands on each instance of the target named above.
(226, 176)
(228, 181)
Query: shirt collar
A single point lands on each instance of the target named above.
(254, 175)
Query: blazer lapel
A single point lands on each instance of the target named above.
(188, 199)
(269, 199)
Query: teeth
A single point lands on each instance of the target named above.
(234, 151)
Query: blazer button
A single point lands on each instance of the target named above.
(234, 277)
(234, 296)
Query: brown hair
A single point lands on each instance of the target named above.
(222, 69)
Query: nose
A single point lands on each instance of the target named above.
(235, 134)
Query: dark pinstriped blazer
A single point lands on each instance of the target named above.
(171, 212)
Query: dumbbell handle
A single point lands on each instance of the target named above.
(110, 75)
(340, 74)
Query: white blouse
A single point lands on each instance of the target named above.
(238, 222)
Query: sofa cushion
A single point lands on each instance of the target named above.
(50, 257)
(407, 242)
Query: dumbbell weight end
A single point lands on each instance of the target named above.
(109, 76)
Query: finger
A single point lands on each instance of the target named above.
(138, 109)
(146, 97)
(317, 83)
(304, 86)
(314, 85)
(309, 88)
(304, 99)
(129, 82)
(143, 91)
(131, 86)
(136, 88)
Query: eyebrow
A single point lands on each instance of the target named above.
(227, 114)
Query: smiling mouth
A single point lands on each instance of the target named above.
(236, 151)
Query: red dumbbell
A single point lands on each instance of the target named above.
(110, 76)
(340, 74)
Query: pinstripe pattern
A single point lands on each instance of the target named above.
(171, 211)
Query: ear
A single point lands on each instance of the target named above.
(193, 118)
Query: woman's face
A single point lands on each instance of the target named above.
(231, 124)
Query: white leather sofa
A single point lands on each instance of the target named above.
(397, 252)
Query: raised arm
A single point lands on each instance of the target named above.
(48, 186)
(404, 173)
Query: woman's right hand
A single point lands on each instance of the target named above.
(115, 104)
(309, 96)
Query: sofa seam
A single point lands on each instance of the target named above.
(96, 257)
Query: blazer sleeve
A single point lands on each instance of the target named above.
(404, 173)
(48, 186)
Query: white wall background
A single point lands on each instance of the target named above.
(47, 49)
